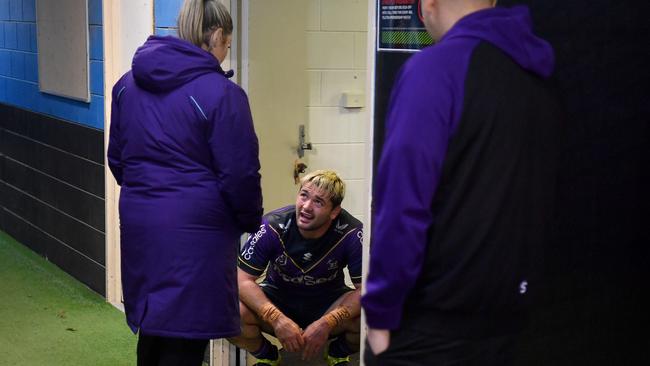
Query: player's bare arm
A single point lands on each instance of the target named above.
(337, 319)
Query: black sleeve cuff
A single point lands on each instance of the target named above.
(249, 268)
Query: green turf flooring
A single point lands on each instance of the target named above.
(49, 318)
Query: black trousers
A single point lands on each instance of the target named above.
(164, 351)
(415, 348)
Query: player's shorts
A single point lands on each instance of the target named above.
(302, 309)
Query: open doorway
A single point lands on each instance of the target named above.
(304, 66)
(302, 63)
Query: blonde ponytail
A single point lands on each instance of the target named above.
(199, 18)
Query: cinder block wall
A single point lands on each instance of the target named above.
(51, 151)
(336, 63)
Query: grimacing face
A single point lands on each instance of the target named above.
(314, 211)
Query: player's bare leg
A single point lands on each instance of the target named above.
(252, 340)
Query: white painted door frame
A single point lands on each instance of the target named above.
(127, 24)
(370, 103)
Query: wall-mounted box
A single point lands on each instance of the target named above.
(353, 100)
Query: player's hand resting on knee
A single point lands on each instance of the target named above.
(288, 333)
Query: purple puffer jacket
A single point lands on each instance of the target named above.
(183, 148)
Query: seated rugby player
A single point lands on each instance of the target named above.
(303, 299)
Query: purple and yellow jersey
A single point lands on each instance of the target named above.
(298, 264)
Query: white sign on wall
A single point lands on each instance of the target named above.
(63, 59)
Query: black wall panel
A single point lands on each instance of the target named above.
(52, 191)
(387, 65)
(73, 232)
(71, 261)
(58, 194)
(70, 137)
(82, 173)
(594, 309)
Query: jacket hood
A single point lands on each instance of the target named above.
(509, 29)
(165, 63)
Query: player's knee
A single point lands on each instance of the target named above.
(353, 325)
(246, 314)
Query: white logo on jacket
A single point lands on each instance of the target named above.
(523, 287)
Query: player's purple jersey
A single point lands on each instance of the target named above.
(303, 272)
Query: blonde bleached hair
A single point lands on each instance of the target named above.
(198, 19)
(327, 181)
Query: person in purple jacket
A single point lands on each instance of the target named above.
(463, 191)
(303, 299)
(183, 149)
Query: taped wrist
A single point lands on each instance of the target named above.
(337, 316)
(269, 313)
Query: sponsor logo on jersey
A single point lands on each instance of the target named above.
(339, 227)
(304, 279)
(248, 251)
(306, 257)
(332, 264)
(281, 260)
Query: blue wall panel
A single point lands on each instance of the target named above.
(29, 10)
(32, 38)
(22, 93)
(97, 77)
(19, 65)
(97, 110)
(5, 63)
(95, 12)
(31, 67)
(22, 37)
(96, 44)
(165, 15)
(165, 12)
(4, 9)
(3, 88)
(15, 10)
(11, 39)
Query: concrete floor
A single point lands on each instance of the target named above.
(291, 359)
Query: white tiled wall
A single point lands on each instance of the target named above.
(336, 63)
(344, 15)
(330, 50)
